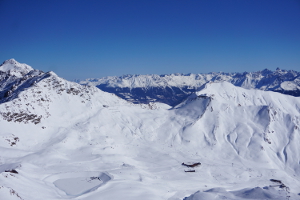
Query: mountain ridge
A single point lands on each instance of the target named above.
(173, 88)
(72, 141)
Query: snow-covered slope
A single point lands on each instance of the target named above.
(78, 142)
(173, 88)
(36, 95)
(14, 68)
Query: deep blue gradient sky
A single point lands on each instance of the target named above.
(96, 38)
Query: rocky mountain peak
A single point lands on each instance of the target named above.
(15, 68)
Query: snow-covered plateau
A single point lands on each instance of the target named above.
(63, 140)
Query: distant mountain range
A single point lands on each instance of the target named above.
(173, 88)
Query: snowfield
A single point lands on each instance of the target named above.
(62, 140)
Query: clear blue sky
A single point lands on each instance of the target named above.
(96, 38)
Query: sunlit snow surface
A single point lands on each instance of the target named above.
(93, 145)
(78, 183)
(249, 193)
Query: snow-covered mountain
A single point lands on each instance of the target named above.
(32, 96)
(14, 68)
(172, 89)
(63, 140)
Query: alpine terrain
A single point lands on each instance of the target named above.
(211, 140)
(172, 89)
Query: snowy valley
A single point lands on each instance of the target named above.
(213, 140)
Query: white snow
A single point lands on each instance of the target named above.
(15, 68)
(76, 134)
(289, 85)
(76, 184)
(248, 193)
(264, 80)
